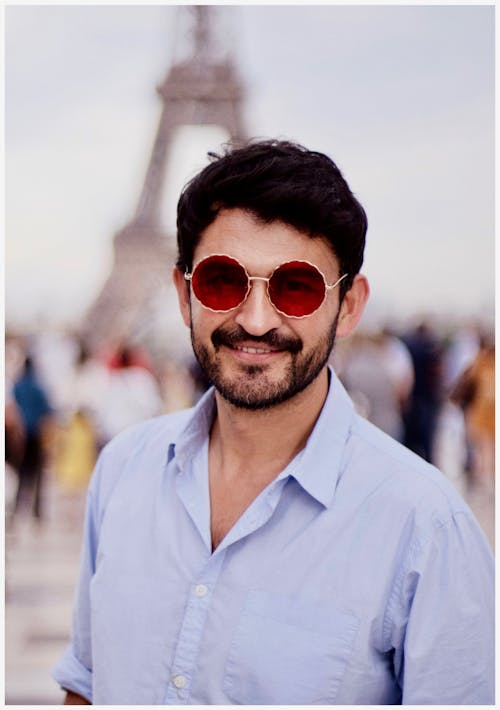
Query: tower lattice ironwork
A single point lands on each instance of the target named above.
(201, 89)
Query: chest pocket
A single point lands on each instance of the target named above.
(286, 651)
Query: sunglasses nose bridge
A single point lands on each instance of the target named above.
(259, 278)
(267, 279)
(257, 314)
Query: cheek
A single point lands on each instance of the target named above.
(320, 323)
(203, 322)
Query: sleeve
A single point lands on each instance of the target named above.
(74, 669)
(445, 614)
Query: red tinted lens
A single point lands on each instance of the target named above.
(297, 288)
(220, 283)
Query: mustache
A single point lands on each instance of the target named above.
(225, 335)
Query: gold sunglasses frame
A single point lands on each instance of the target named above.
(188, 275)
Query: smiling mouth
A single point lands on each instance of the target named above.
(238, 340)
(253, 351)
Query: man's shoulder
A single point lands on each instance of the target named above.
(404, 479)
(165, 427)
(375, 442)
(143, 446)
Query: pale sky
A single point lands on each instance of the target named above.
(401, 97)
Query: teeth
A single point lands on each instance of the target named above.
(252, 350)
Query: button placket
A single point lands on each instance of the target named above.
(179, 681)
(193, 624)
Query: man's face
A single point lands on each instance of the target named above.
(255, 356)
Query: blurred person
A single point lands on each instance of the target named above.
(138, 357)
(131, 394)
(379, 379)
(14, 433)
(400, 366)
(78, 430)
(14, 449)
(270, 546)
(421, 416)
(54, 353)
(87, 384)
(76, 453)
(13, 422)
(475, 393)
(35, 412)
(461, 351)
(14, 355)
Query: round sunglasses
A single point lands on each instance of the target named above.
(296, 289)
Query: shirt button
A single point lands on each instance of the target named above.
(200, 590)
(179, 681)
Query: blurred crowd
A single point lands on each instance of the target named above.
(434, 392)
(64, 403)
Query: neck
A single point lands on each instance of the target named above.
(250, 443)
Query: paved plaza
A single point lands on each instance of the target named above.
(41, 571)
(41, 568)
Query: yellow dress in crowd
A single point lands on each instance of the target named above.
(75, 454)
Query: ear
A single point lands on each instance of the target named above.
(353, 306)
(182, 288)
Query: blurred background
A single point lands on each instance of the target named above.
(109, 111)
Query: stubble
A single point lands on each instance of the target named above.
(251, 386)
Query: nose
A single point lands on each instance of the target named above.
(257, 315)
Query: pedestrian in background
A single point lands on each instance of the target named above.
(130, 395)
(377, 372)
(81, 430)
(421, 416)
(35, 411)
(475, 393)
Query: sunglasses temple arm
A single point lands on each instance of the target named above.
(329, 288)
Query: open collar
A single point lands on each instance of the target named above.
(316, 468)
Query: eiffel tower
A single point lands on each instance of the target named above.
(199, 90)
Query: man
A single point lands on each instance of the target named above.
(270, 546)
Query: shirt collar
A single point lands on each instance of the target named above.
(196, 430)
(317, 468)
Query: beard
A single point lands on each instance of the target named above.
(252, 388)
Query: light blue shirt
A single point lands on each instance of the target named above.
(358, 576)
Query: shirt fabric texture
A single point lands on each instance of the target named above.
(357, 576)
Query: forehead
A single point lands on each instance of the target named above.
(262, 246)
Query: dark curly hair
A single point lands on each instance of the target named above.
(276, 181)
